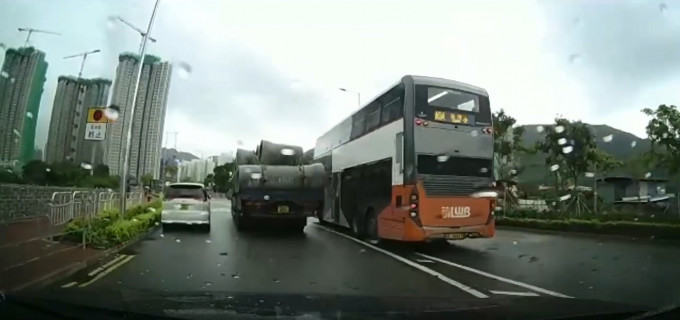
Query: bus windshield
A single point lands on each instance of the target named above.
(452, 106)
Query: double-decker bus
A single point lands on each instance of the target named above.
(414, 164)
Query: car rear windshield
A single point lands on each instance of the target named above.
(185, 191)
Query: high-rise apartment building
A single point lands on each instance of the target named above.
(22, 78)
(66, 137)
(149, 116)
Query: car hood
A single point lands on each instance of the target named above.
(218, 305)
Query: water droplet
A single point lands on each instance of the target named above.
(156, 223)
(86, 166)
(591, 287)
(664, 135)
(590, 174)
(230, 297)
(4, 74)
(111, 22)
(223, 274)
(162, 235)
(276, 280)
(29, 115)
(207, 284)
(567, 149)
(540, 129)
(362, 250)
(561, 141)
(483, 170)
(652, 216)
(235, 276)
(239, 143)
(663, 7)
(183, 69)
(48, 169)
(442, 158)
(190, 275)
(574, 58)
(633, 144)
(11, 80)
(608, 138)
(112, 112)
(554, 167)
(16, 132)
(514, 243)
(178, 240)
(636, 219)
(474, 133)
(141, 273)
(565, 197)
(223, 253)
(559, 129)
(648, 174)
(208, 241)
(513, 172)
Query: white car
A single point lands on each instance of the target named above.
(186, 203)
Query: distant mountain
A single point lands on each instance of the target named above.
(180, 155)
(623, 146)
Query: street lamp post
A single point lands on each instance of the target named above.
(357, 93)
(128, 133)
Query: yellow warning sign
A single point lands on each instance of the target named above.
(96, 115)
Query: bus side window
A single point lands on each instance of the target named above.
(358, 125)
(373, 116)
(392, 105)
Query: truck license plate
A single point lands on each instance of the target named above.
(283, 209)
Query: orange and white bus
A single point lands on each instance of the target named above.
(414, 164)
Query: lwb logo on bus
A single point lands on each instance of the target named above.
(455, 212)
(452, 117)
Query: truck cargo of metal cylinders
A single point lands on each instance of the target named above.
(274, 177)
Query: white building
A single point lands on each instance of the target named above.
(196, 170)
(66, 137)
(149, 116)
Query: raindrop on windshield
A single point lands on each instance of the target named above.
(663, 7)
(207, 283)
(567, 149)
(29, 115)
(178, 240)
(540, 129)
(514, 243)
(633, 144)
(4, 74)
(239, 142)
(183, 69)
(276, 280)
(513, 172)
(48, 169)
(111, 22)
(86, 166)
(554, 167)
(442, 158)
(561, 141)
(190, 275)
(112, 112)
(208, 241)
(608, 138)
(590, 174)
(162, 235)
(574, 58)
(648, 174)
(11, 80)
(483, 170)
(565, 197)
(287, 151)
(664, 135)
(235, 276)
(559, 129)
(474, 133)
(17, 133)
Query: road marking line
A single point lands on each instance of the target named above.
(107, 271)
(108, 264)
(499, 278)
(515, 293)
(424, 261)
(422, 268)
(68, 285)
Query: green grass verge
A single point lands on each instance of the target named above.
(625, 228)
(109, 229)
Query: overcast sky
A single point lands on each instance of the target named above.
(272, 69)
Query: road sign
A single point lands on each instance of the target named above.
(95, 131)
(96, 115)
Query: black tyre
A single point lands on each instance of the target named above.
(241, 223)
(372, 225)
(206, 227)
(300, 225)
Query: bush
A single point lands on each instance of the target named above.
(108, 228)
(627, 228)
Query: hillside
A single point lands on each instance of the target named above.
(623, 146)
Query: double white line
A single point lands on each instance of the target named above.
(102, 271)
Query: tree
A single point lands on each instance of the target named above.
(507, 143)
(9, 176)
(101, 170)
(146, 179)
(222, 176)
(663, 130)
(171, 172)
(35, 172)
(209, 179)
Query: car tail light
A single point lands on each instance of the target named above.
(487, 130)
(419, 122)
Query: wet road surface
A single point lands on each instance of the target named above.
(327, 261)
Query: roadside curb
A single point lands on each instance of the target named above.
(73, 268)
(590, 235)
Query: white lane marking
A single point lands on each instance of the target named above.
(108, 264)
(515, 293)
(113, 267)
(422, 268)
(71, 284)
(495, 277)
(424, 261)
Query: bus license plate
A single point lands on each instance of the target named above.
(455, 236)
(282, 209)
